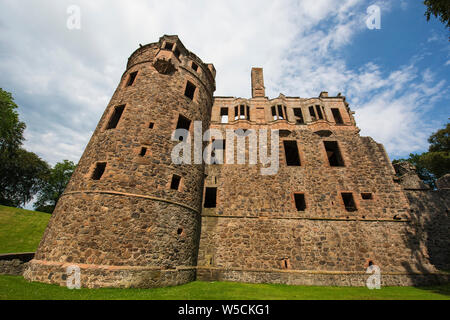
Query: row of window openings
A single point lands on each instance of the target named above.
(241, 112)
(189, 90)
(279, 112)
(291, 152)
(169, 46)
(331, 148)
(100, 167)
(299, 199)
(290, 146)
(183, 123)
(211, 192)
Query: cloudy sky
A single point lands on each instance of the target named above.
(395, 78)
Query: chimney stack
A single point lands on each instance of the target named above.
(258, 89)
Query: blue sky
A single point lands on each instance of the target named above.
(396, 79)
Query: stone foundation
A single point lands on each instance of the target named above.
(14, 263)
(101, 276)
(319, 278)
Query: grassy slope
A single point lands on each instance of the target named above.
(14, 287)
(21, 230)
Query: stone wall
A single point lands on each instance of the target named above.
(130, 216)
(14, 263)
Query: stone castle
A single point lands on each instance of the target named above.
(130, 217)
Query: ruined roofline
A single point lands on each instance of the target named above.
(207, 67)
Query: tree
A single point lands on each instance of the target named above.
(440, 141)
(21, 176)
(11, 129)
(438, 8)
(21, 172)
(53, 186)
(435, 163)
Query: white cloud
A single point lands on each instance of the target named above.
(63, 79)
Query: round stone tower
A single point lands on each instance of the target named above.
(129, 217)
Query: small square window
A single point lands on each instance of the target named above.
(99, 170)
(366, 196)
(194, 66)
(190, 90)
(151, 125)
(168, 46)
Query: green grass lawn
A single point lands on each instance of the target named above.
(15, 287)
(21, 230)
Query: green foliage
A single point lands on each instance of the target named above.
(21, 172)
(438, 8)
(21, 230)
(53, 186)
(440, 141)
(435, 163)
(16, 287)
(11, 129)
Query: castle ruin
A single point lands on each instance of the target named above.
(130, 217)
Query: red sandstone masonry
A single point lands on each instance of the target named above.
(130, 229)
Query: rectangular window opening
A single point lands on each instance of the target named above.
(151, 125)
(366, 196)
(115, 117)
(224, 115)
(280, 112)
(183, 123)
(175, 184)
(242, 112)
(349, 202)
(177, 53)
(299, 116)
(300, 203)
(333, 154)
(168, 46)
(312, 113)
(218, 145)
(291, 153)
(194, 66)
(190, 90)
(337, 116)
(210, 198)
(319, 112)
(143, 152)
(99, 170)
(274, 113)
(236, 113)
(131, 78)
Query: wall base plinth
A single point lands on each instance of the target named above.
(319, 278)
(103, 276)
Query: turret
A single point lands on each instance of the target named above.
(129, 217)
